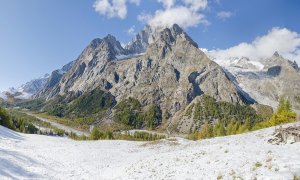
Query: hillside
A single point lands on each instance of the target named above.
(246, 156)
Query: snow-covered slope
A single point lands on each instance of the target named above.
(248, 156)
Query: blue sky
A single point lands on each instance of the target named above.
(37, 36)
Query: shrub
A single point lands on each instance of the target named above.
(5, 119)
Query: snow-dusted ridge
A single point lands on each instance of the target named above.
(247, 156)
(123, 57)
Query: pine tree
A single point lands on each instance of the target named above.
(236, 127)
(231, 128)
(222, 130)
(210, 131)
(287, 106)
(95, 135)
(219, 129)
(281, 105)
(5, 119)
(215, 129)
(245, 127)
(204, 133)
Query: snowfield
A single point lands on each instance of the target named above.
(246, 156)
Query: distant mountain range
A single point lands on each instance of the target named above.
(264, 80)
(27, 90)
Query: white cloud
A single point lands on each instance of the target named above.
(113, 8)
(136, 2)
(186, 14)
(286, 42)
(144, 17)
(167, 3)
(131, 30)
(224, 15)
(196, 5)
(182, 16)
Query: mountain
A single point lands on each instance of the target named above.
(27, 90)
(265, 80)
(54, 78)
(170, 72)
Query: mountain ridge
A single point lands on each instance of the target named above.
(170, 73)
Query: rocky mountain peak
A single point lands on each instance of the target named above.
(112, 46)
(294, 65)
(170, 35)
(142, 40)
(176, 29)
(169, 40)
(110, 38)
(149, 35)
(276, 54)
(95, 43)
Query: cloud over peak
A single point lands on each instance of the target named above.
(286, 42)
(185, 13)
(113, 8)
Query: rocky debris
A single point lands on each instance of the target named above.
(287, 135)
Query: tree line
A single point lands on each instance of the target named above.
(129, 112)
(224, 126)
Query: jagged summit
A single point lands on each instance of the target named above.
(176, 28)
(276, 54)
(171, 34)
(142, 40)
(95, 42)
(149, 35)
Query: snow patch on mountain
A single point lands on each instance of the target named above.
(128, 56)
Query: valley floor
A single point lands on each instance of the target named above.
(247, 156)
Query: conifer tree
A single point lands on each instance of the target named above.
(287, 106)
(245, 127)
(204, 133)
(231, 128)
(281, 105)
(5, 119)
(95, 135)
